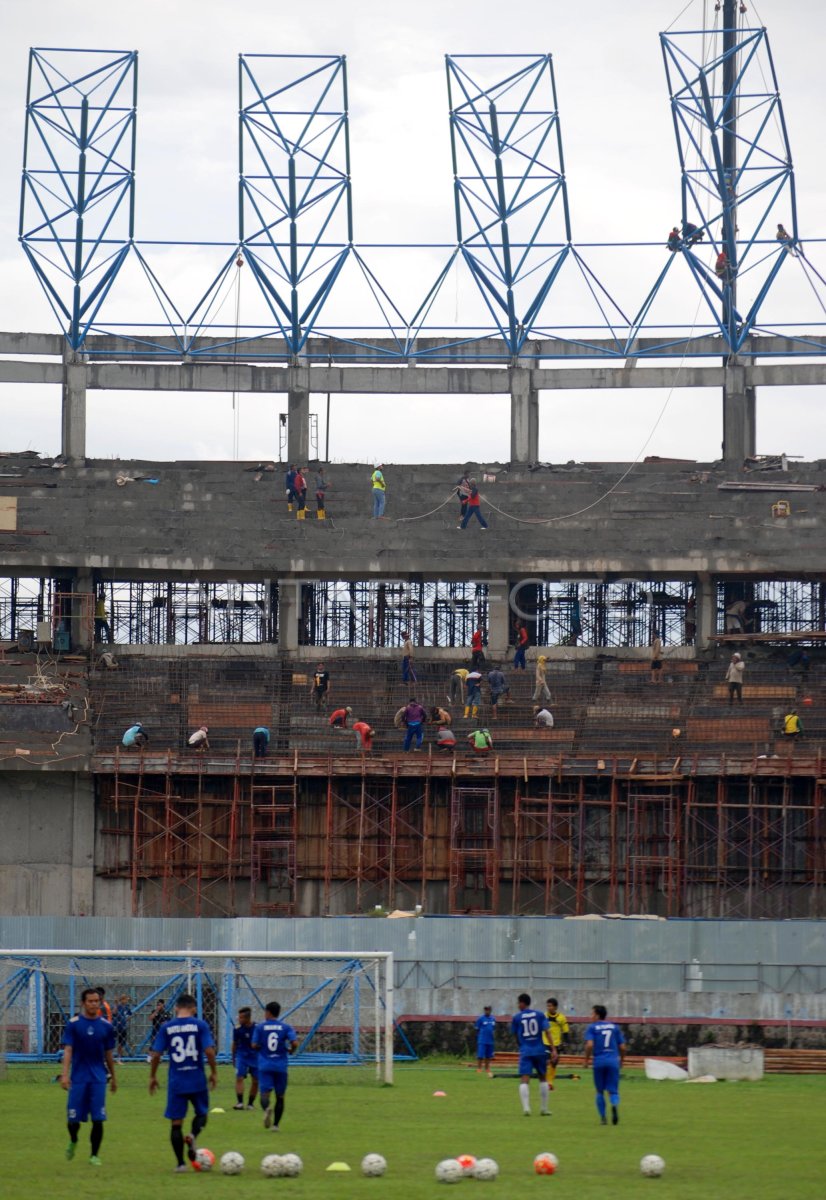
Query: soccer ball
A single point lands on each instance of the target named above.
(449, 1171)
(485, 1169)
(292, 1165)
(652, 1165)
(204, 1159)
(232, 1163)
(272, 1166)
(467, 1162)
(545, 1163)
(373, 1164)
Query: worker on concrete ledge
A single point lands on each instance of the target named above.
(364, 736)
(543, 718)
(199, 740)
(480, 741)
(440, 716)
(792, 725)
(338, 719)
(414, 718)
(135, 737)
(260, 741)
(379, 492)
(445, 739)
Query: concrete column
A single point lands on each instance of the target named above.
(524, 416)
(83, 631)
(289, 610)
(739, 415)
(73, 410)
(706, 611)
(498, 617)
(298, 416)
(82, 897)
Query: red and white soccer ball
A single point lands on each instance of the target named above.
(467, 1162)
(204, 1159)
(545, 1163)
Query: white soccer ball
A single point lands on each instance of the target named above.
(373, 1164)
(272, 1166)
(449, 1171)
(232, 1163)
(652, 1165)
(486, 1168)
(292, 1165)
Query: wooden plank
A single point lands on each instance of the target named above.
(8, 513)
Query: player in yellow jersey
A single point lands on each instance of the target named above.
(555, 1037)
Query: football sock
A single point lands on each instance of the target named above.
(96, 1136)
(600, 1104)
(525, 1097)
(279, 1110)
(543, 1095)
(198, 1124)
(73, 1128)
(176, 1137)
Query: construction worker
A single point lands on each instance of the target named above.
(555, 1037)
(473, 697)
(481, 741)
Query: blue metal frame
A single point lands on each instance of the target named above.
(734, 95)
(77, 196)
(513, 220)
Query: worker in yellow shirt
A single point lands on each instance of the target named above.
(555, 1037)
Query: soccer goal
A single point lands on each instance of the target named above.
(341, 1005)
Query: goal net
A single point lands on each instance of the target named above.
(340, 1005)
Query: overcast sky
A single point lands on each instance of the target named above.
(623, 184)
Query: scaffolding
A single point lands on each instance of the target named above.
(475, 850)
(273, 834)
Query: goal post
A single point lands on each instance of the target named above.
(340, 1003)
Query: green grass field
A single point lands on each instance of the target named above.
(723, 1141)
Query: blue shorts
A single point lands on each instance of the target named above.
(273, 1080)
(243, 1068)
(528, 1063)
(606, 1078)
(176, 1103)
(85, 1100)
(484, 1049)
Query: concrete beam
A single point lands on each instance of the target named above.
(105, 347)
(411, 380)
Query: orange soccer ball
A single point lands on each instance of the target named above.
(545, 1164)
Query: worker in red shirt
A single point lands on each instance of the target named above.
(519, 663)
(338, 720)
(473, 509)
(477, 656)
(364, 736)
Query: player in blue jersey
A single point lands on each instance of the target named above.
(274, 1040)
(88, 1061)
(188, 1041)
(528, 1025)
(245, 1059)
(605, 1044)
(485, 1027)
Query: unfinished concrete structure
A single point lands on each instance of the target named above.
(644, 797)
